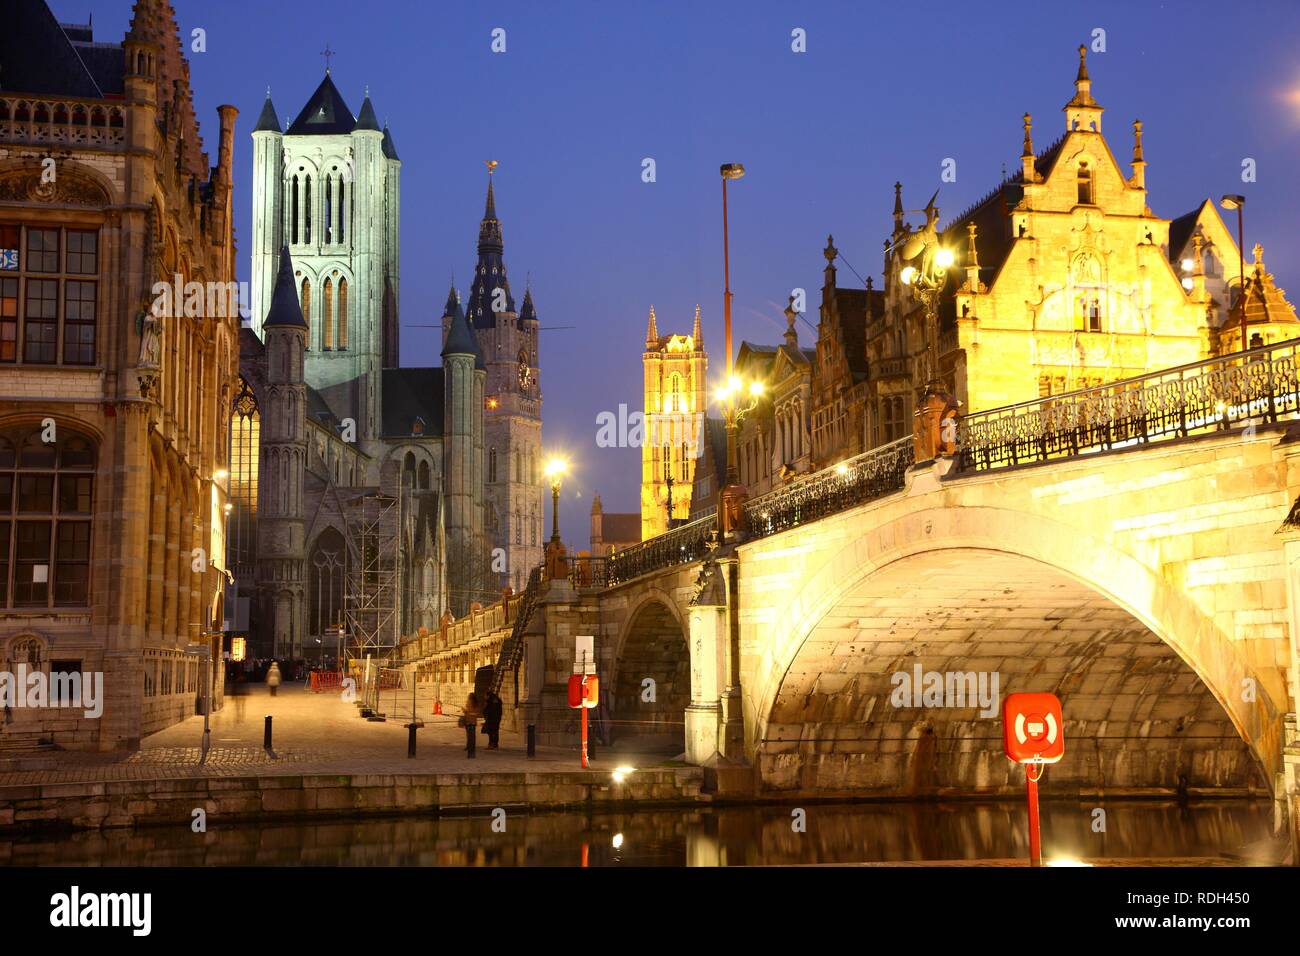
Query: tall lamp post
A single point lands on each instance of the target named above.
(1238, 203)
(556, 565)
(925, 273)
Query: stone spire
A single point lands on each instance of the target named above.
(972, 259)
(1028, 173)
(791, 334)
(490, 272)
(898, 208)
(1139, 164)
(1083, 113)
(268, 121)
(697, 335)
(651, 332)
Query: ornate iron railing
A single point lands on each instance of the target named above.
(864, 478)
(512, 648)
(1201, 397)
(690, 542)
(588, 572)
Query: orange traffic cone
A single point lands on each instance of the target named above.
(437, 708)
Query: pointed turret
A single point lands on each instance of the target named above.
(485, 301)
(791, 334)
(697, 335)
(285, 307)
(1083, 113)
(1139, 162)
(528, 311)
(898, 207)
(389, 147)
(460, 337)
(268, 121)
(651, 332)
(366, 119)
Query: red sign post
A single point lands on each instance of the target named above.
(584, 692)
(1033, 734)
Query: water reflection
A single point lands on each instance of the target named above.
(732, 836)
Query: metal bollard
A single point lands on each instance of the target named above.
(266, 734)
(532, 740)
(470, 742)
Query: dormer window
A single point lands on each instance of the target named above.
(1085, 185)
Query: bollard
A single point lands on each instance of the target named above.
(532, 740)
(469, 741)
(410, 740)
(266, 734)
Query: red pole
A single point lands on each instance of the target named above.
(584, 853)
(1035, 850)
(584, 734)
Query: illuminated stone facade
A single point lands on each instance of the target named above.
(675, 401)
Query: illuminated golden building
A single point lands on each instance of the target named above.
(675, 367)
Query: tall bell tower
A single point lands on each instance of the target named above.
(675, 367)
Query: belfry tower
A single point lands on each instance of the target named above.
(675, 367)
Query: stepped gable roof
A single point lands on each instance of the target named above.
(326, 113)
(410, 394)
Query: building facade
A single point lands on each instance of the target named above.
(118, 352)
(675, 368)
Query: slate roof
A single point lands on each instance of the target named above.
(389, 148)
(490, 272)
(40, 55)
(267, 120)
(285, 307)
(410, 393)
(325, 113)
(1180, 231)
(366, 119)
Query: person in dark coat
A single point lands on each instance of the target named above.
(492, 720)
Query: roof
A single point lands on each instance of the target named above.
(460, 338)
(267, 121)
(285, 309)
(40, 55)
(1264, 302)
(366, 119)
(325, 113)
(490, 271)
(1180, 231)
(410, 394)
(389, 148)
(620, 527)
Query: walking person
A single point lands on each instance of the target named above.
(492, 719)
(469, 720)
(273, 677)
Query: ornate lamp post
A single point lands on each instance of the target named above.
(1238, 202)
(556, 565)
(731, 499)
(668, 483)
(925, 273)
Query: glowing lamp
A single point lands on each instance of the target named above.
(907, 275)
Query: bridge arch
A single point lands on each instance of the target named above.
(1043, 559)
(652, 645)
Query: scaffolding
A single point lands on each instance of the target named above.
(372, 603)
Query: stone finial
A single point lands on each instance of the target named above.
(1258, 252)
(1137, 141)
(898, 205)
(972, 255)
(1029, 142)
(791, 334)
(1082, 76)
(830, 252)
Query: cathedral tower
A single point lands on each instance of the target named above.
(281, 508)
(675, 367)
(468, 571)
(513, 415)
(328, 189)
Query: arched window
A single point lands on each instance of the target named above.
(343, 312)
(46, 506)
(306, 202)
(1085, 185)
(327, 314)
(245, 434)
(293, 214)
(408, 470)
(492, 465)
(329, 209)
(342, 208)
(325, 569)
(683, 464)
(306, 307)
(424, 476)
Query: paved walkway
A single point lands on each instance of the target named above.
(313, 734)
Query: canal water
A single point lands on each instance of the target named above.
(726, 836)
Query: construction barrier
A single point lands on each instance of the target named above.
(322, 681)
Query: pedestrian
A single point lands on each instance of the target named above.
(492, 719)
(273, 677)
(469, 720)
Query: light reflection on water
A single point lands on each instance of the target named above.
(725, 836)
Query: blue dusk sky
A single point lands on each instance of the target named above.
(586, 91)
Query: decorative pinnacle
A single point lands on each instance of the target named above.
(1029, 142)
(1083, 65)
(972, 256)
(1137, 141)
(830, 252)
(492, 165)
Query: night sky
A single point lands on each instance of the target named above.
(585, 92)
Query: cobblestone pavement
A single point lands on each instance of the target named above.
(313, 734)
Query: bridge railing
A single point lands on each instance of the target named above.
(683, 544)
(1205, 396)
(588, 572)
(860, 479)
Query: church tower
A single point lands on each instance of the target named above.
(513, 413)
(464, 376)
(283, 452)
(675, 367)
(328, 189)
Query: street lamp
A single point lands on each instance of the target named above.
(1231, 202)
(731, 498)
(556, 566)
(925, 274)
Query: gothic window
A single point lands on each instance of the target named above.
(492, 465)
(306, 307)
(329, 209)
(306, 202)
(46, 505)
(683, 464)
(327, 314)
(293, 214)
(667, 455)
(343, 312)
(245, 432)
(342, 207)
(424, 476)
(675, 394)
(1085, 185)
(408, 470)
(325, 569)
(532, 466)
(1094, 314)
